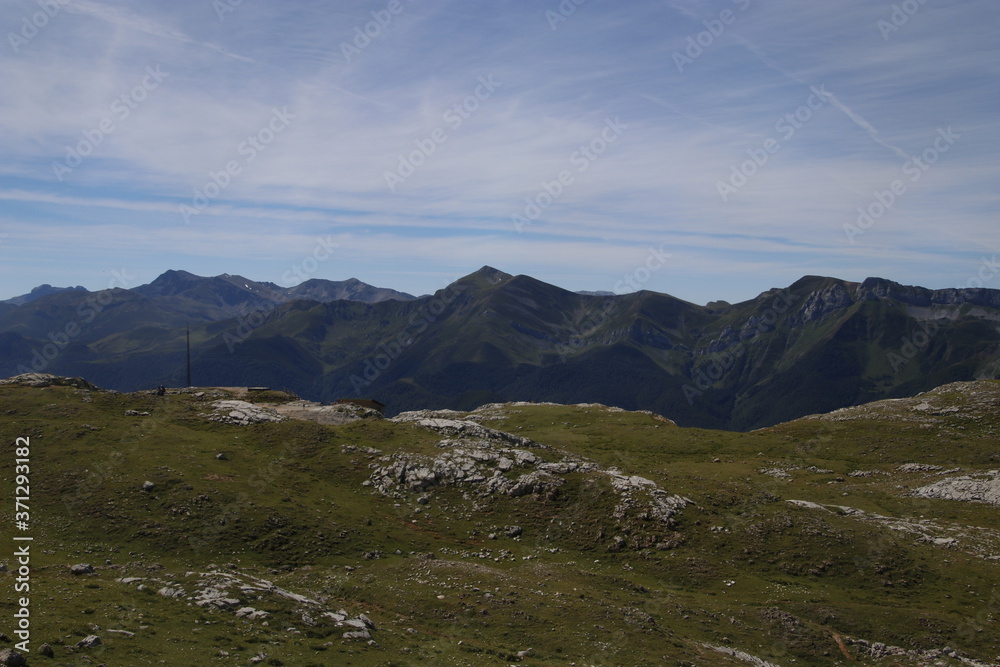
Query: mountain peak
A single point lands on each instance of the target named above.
(168, 283)
(44, 289)
(493, 275)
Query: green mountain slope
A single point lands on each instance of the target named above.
(536, 534)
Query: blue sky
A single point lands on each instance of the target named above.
(743, 138)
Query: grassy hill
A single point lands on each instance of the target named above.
(535, 534)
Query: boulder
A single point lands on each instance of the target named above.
(11, 658)
(82, 568)
(169, 592)
(243, 413)
(90, 641)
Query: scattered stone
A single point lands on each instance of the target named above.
(353, 449)
(879, 650)
(243, 413)
(123, 633)
(979, 488)
(219, 602)
(486, 460)
(221, 457)
(169, 592)
(82, 568)
(136, 413)
(918, 467)
(90, 641)
(740, 655)
(809, 505)
(148, 486)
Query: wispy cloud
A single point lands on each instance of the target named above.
(123, 18)
(411, 95)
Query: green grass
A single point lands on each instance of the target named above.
(746, 569)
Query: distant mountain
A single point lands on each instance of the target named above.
(231, 295)
(39, 292)
(353, 289)
(817, 345)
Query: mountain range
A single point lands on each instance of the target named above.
(817, 345)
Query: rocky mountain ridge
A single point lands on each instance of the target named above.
(817, 345)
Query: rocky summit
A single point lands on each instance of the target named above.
(234, 525)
